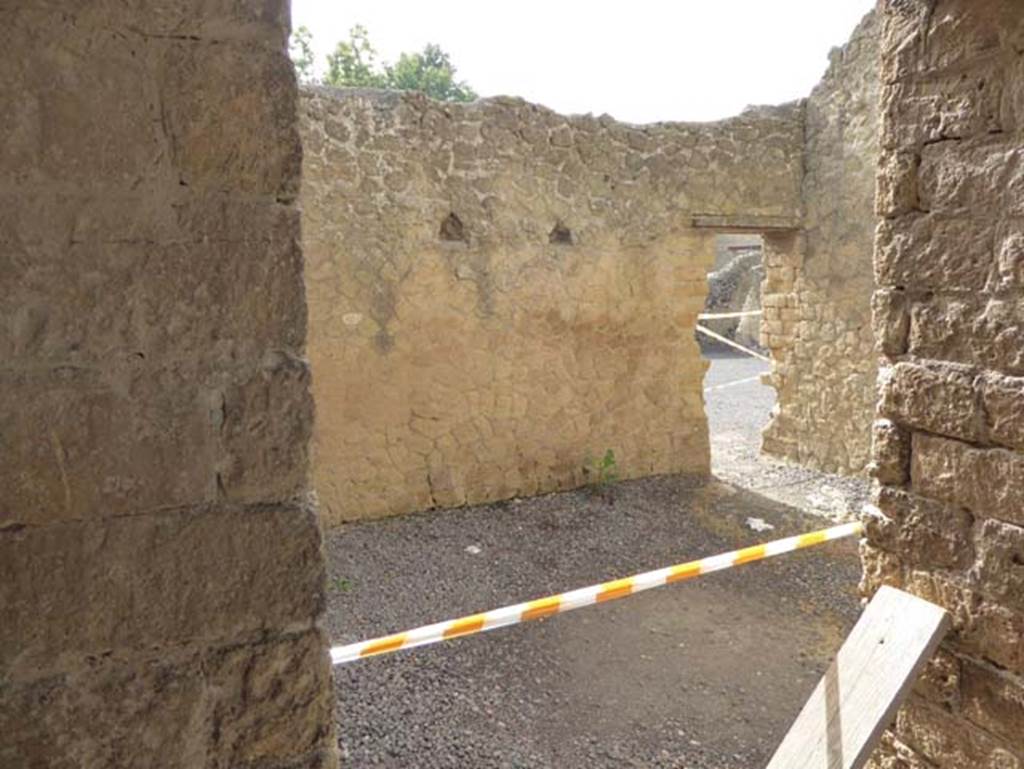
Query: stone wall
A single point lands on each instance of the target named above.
(497, 291)
(817, 298)
(949, 319)
(160, 568)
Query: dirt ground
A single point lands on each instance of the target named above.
(738, 407)
(703, 674)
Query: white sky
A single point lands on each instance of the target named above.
(638, 60)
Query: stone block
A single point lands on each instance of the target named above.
(992, 29)
(999, 569)
(890, 321)
(971, 330)
(985, 481)
(1013, 96)
(922, 532)
(946, 740)
(896, 186)
(880, 567)
(229, 111)
(937, 397)
(994, 700)
(940, 680)
(966, 178)
(996, 633)
(982, 628)
(961, 104)
(82, 109)
(890, 453)
(250, 705)
(266, 430)
(934, 252)
(946, 590)
(904, 28)
(893, 754)
(269, 702)
(108, 712)
(1003, 401)
(88, 445)
(262, 20)
(1009, 253)
(215, 285)
(72, 590)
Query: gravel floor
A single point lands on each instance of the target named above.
(703, 674)
(737, 409)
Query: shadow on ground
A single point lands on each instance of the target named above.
(708, 673)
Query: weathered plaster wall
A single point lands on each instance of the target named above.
(458, 361)
(817, 296)
(949, 318)
(160, 566)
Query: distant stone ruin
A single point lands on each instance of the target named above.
(735, 285)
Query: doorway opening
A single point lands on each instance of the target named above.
(737, 402)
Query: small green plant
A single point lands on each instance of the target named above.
(601, 473)
(341, 584)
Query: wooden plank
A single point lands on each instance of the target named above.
(858, 696)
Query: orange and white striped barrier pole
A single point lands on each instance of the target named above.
(586, 596)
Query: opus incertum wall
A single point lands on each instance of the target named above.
(497, 291)
(949, 319)
(160, 568)
(817, 292)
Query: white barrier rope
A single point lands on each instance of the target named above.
(735, 382)
(723, 340)
(716, 315)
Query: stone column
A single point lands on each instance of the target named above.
(161, 578)
(949, 322)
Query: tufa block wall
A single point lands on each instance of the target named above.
(160, 568)
(949, 319)
(496, 290)
(817, 296)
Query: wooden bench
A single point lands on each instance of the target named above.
(860, 693)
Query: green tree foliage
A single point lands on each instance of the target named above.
(354, 64)
(300, 48)
(430, 72)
